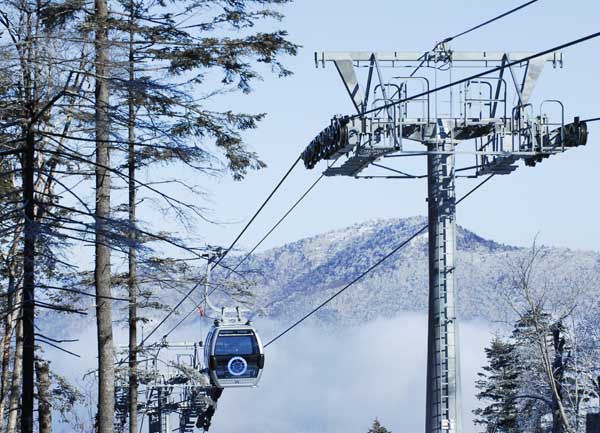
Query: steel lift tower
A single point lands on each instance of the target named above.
(172, 381)
(398, 116)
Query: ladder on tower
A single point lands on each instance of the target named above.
(195, 407)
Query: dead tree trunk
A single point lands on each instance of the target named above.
(10, 320)
(559, 417)
(102, 271)
(44, 397)
(15, 386)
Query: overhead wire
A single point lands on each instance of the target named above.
(370, 269)
(259, 243)
(257, 212)
(478, 26)
(217, 263)
(518, 8)
(245, 256)
(171, 311)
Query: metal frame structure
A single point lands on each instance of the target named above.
(172, 380)
(390, 123)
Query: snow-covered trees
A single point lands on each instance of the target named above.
(543, 374)
(498, 385)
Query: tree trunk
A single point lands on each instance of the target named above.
(15, 386)
(9, 327)
(8, 332)
(44, 397)
(102, 271)
(28, 283)
(559, 415)
(132, 280)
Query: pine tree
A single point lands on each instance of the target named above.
(31, 91)
(378, 428)
(498, 387)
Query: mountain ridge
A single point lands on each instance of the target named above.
(292, 278)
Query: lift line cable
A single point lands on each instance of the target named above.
(178, 324)
(217, 263)
(187, 295)
(478, 75)
(451, 38)
(518, 8)
(310, 188)
(276, 225)
(249, 253)
(595, 119)
(164, 319)
(257, 212)
(379, 262)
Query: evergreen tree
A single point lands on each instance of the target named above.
(378, 428)
(498, 387)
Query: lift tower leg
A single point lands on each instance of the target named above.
(443, 376)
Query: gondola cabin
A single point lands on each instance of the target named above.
(234, 355)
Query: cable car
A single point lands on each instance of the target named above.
(234, 355)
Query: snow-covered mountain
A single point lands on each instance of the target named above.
(295, 277)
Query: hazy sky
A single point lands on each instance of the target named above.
(557, 199)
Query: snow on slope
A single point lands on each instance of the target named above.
(293, 278)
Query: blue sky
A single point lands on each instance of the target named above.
(556, 200)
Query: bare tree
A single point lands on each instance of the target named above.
(541, 338)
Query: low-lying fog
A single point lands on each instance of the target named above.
(319, 380)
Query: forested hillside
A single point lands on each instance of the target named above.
(294, 277)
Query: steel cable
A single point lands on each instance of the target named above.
(248, 254)
(363, 274)
(451, 38)
(479, 75)
(518, 8)
(189, 293)
(257, 212)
